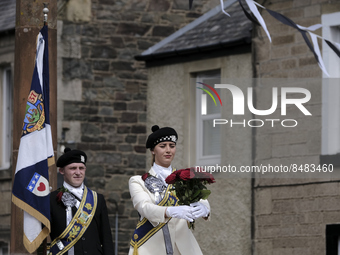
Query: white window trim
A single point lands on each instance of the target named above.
(200, 159)
(6, 119)
(330, 31)
(330, 144)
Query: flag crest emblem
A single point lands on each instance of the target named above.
(35, 114)
(38, 185)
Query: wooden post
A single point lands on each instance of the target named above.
(29, 21)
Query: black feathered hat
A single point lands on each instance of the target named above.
(71, 156)
(165, 134)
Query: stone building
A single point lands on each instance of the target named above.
(295, 212)
(108, 100)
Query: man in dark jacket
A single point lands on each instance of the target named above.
(79, 218)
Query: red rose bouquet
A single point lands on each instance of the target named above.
(190, 185)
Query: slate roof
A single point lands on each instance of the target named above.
(212, 30)
(7, 15)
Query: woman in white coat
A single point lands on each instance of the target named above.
(163, 225)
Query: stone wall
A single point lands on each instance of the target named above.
(292, 220)
(102, 89)
(291, 213)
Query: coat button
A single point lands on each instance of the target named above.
(83, 238)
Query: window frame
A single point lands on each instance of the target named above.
(6, 126)
(203, 160)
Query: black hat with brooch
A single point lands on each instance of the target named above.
(71, 156)
(165, 134)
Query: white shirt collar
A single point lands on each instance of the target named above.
(76, 191)
(159, 168)
(162, 172)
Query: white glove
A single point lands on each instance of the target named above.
(199, 210)
(180, 212)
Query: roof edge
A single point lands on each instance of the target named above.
(188, 27)
(198, 49)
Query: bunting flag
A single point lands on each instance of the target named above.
(313, 45)
(222, 7)
(31, 189)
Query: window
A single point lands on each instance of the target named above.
(208, 138)
(332, 239)
(6, 118)
(3, 248)
(331, 87)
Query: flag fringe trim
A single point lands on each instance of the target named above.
(29, 209)
(33, 246)
(51, 161)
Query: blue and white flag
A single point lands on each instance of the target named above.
(31, 189)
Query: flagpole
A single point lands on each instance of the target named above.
(44, 244)
(45, 11)
(28, 25)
